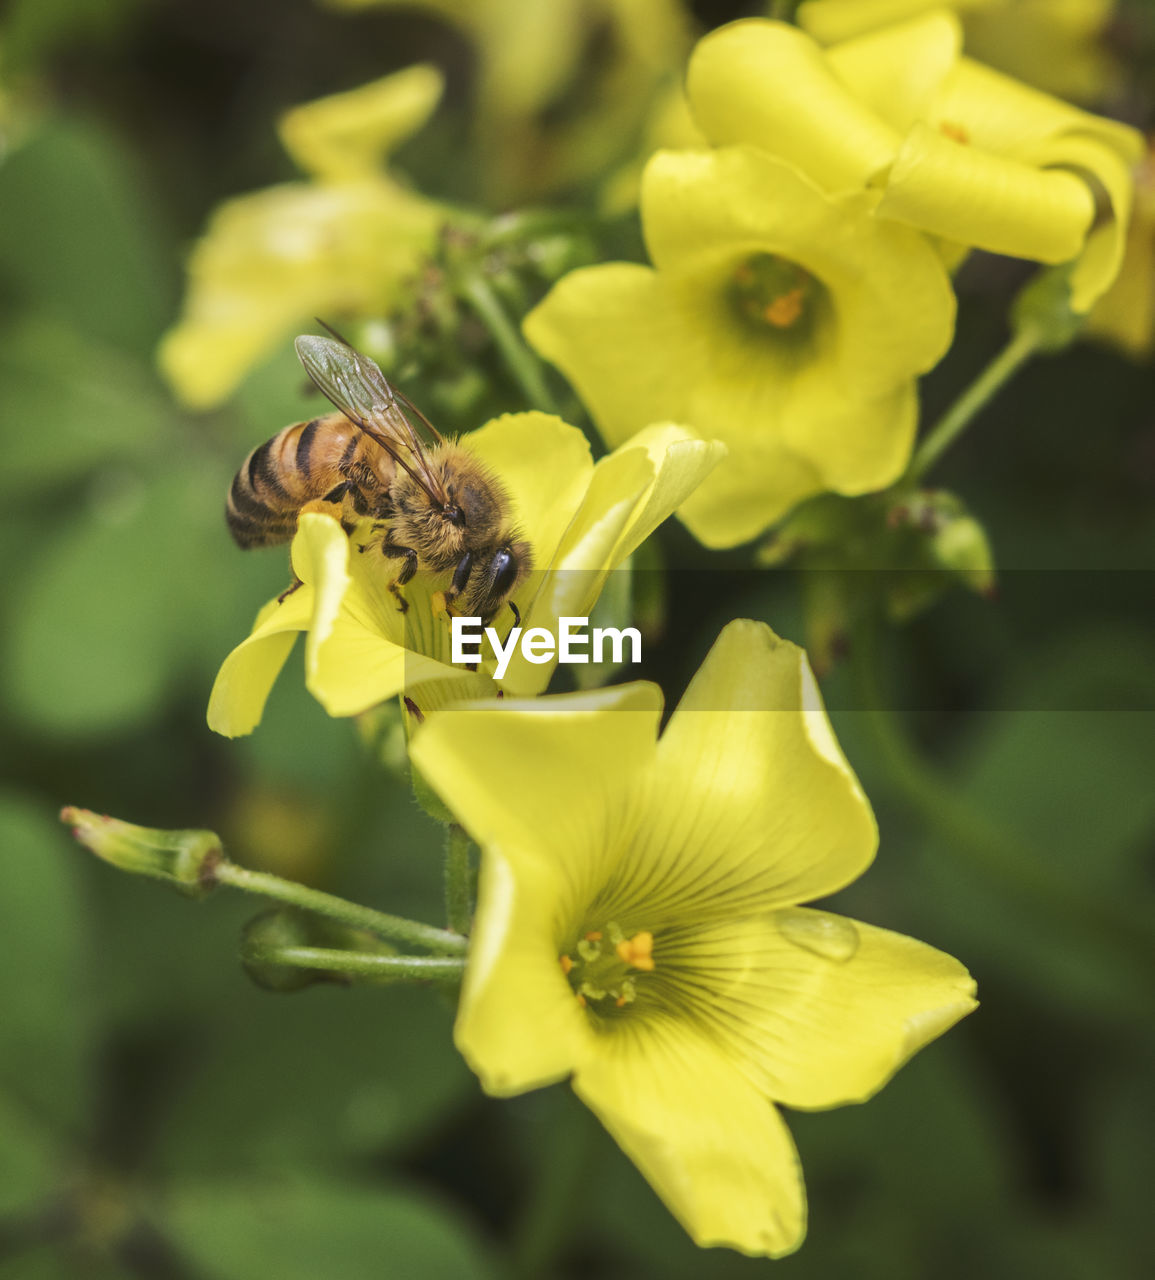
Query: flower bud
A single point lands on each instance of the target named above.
(962, 547)
(185, 859)
(280, 928)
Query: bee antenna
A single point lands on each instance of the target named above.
(339, 336)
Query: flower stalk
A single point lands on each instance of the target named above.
(521, 363)
(361, 964)
(458, 911)
(382, 923)
(1022, 346)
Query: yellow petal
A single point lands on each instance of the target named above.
(679, 462)
(631, 492)
(518, 1023)
(820, 1010)
(956, 191)
(754, 805)
(550, 774)
(1102, 255)
(710, 1144)
(831, 20)
(1002, 115)
(545, 466)
(347, 135)
(272, 260)
(769, 85)
(247, 675)
(362, 647)
(897, 71)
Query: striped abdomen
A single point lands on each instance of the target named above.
(325, 459)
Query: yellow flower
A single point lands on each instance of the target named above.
(342, 242)
(580, 519)
(780, 319)
(563, 85)
(1125, 314)
(1055, 45)
(948, 145)
(638, 930)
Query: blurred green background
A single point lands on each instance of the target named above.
(162, 1118)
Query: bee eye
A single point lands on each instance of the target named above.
(503, 572)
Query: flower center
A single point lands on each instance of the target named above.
(769, 292)
(603, 965)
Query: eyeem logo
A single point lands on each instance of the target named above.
(573, 643)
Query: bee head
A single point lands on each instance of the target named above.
(495, 577)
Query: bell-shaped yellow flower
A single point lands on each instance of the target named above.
(581, 521)
(563, 86)
(1054, 45)
(950, 146)
(638, 926)
(785, 321)
(342, 242)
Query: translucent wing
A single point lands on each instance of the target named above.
(356, 385)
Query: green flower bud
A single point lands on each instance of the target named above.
(273, 931)
(185, 859)
(962, 547)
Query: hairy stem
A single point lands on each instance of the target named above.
(395, 928)
(365, 964)
(457, 905)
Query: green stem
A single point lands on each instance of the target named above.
(365, 964)
(1024, 344)
(1019, 873)
(396, 928)
(519, 360)
(457, 906)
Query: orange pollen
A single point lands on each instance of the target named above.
(621, 1002)
(955, 132)
(581, 1000)
(637, 951)
(785, 310)
(594, 935)
(566, 964)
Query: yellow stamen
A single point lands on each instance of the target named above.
(785, 310)
(581, 1000)
(594, 935)
(638, 950)
(566, 965)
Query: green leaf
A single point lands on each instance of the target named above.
(89, 648)
(29, 1157)
(45, 1047)
(303, 1230)
(72, 402)
(77, 237)
(1068, 768)
(294, 1080)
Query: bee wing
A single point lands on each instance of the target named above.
(356, 385)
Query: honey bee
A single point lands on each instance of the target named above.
(434, 506)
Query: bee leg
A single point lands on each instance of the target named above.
(295, 585)
(408, 569)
